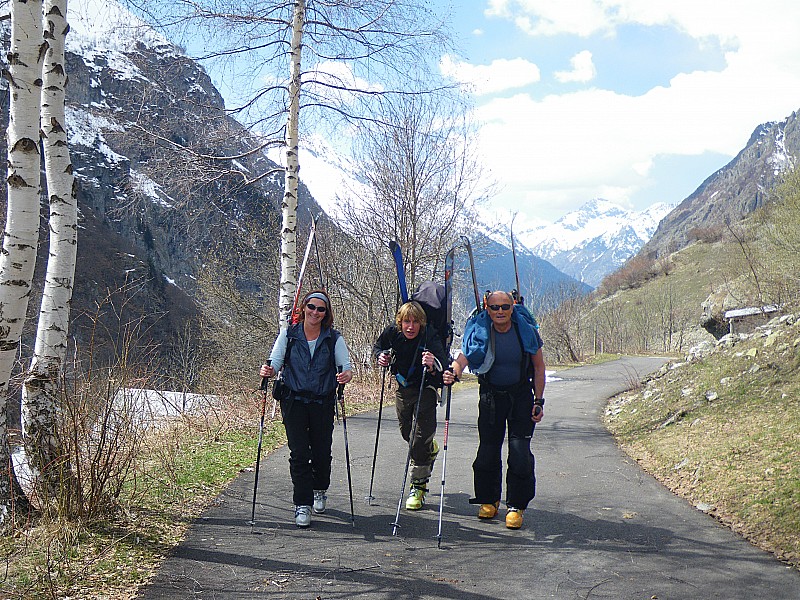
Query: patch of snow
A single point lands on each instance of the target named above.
(86, 129)
(240, 166)
(152, 406)
(106, 24)
(150, 189)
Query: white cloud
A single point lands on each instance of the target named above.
(583, 69)
(499, 76)
(545, 17)
(557, 152)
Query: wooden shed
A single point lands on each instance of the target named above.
(744, 320)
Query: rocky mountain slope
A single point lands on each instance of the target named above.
(149, 216)
(734, 191)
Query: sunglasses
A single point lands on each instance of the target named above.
(319, 309)
(500, 306)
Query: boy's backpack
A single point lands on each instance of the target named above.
(432, 298)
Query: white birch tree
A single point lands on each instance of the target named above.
(20, 238)
(288, 283)
(39, 394)
(359, 53)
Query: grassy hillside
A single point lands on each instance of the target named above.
(658, 305)
(720, 426)
(722, 429)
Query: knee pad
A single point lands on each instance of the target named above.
(520, 459)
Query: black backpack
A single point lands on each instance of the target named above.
(431, 296)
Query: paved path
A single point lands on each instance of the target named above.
(598, 528)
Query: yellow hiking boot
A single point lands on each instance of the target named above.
(488, 511)
(416, 497)
(514, 518)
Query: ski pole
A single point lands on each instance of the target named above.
(264, 386)
(396, 523)
(447, 392)
(340, 394)
(370, 497)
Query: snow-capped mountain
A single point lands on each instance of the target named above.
(596, 239)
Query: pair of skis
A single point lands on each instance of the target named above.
(312, 240)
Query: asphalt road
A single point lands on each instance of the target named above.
(598, 528)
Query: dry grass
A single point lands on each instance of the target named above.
(182, 469)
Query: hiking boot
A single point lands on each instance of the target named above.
(416, 498)
(514, 518)
(488, 511)
(434, 451)
(320, 500)
(302, 516)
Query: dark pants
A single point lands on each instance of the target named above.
(495, 411)
(422, 445)
(309, 434)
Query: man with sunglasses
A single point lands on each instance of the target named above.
(503, 347)
(309, 352)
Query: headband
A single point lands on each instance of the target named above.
(319, 296)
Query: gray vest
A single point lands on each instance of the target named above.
(310, 378)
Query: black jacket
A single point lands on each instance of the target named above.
(408, 354)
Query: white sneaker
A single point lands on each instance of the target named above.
(302, 516)
(320, 499)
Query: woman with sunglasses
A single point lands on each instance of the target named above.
(410, 347)
(310, 352)
(502, 346)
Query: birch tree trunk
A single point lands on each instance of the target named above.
(39, 394)
(20, 238)
(289, 204)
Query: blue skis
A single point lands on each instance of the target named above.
(397, 254)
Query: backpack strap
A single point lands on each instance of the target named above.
(526, 357)
(332, 339)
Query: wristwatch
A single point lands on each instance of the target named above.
(539, 401)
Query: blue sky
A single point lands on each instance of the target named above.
(634, 101)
